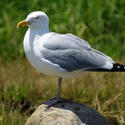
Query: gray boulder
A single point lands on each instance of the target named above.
(66, 113)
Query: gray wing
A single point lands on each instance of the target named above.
(88, 46)
(72, 59)
(72, 53)
(65, 41)
(82, 42)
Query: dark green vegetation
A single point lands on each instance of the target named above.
(102, 23)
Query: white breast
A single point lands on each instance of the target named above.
(32, 46)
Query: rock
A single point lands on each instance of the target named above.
(66, 113)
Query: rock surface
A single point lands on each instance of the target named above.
(66, 113)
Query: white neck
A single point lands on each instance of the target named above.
(30, 42)
(38, 31)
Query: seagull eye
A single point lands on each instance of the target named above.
(37, 17)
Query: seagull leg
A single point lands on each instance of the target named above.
(56, 99)
(59, 88)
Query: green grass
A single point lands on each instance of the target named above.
(99, 22)
(22, 89)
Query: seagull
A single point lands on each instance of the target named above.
(61, 55)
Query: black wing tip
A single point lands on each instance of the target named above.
(118, 67)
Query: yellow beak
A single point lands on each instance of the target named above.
(22, 24)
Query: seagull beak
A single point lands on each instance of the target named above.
(22, 24)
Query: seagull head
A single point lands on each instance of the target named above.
(35, 20)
